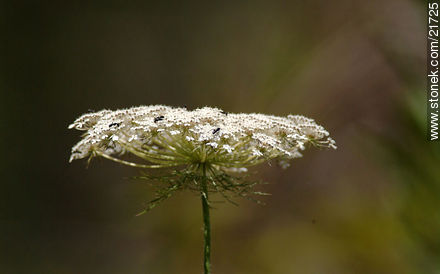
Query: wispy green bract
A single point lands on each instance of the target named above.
(229, 186)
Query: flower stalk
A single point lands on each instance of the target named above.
(206, 222)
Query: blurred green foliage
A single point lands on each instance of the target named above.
(416, 164)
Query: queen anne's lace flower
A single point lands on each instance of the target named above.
(208, 143)
(165, 137)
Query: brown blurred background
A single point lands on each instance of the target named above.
(357, 67)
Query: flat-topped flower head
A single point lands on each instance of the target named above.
(163, 136)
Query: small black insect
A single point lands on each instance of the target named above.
(159, 118)
(224, 112)
(215, 130)
(114, 125)
(185, 106)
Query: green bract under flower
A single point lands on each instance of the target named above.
(164, 136)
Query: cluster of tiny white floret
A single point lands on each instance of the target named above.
(164, 136)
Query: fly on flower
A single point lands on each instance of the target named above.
(114, 125)
(159, 118)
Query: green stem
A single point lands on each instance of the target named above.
(206, 223)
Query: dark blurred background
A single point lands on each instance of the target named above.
(357, 67)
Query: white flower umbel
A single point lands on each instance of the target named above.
(163, 136)
(202, 147)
